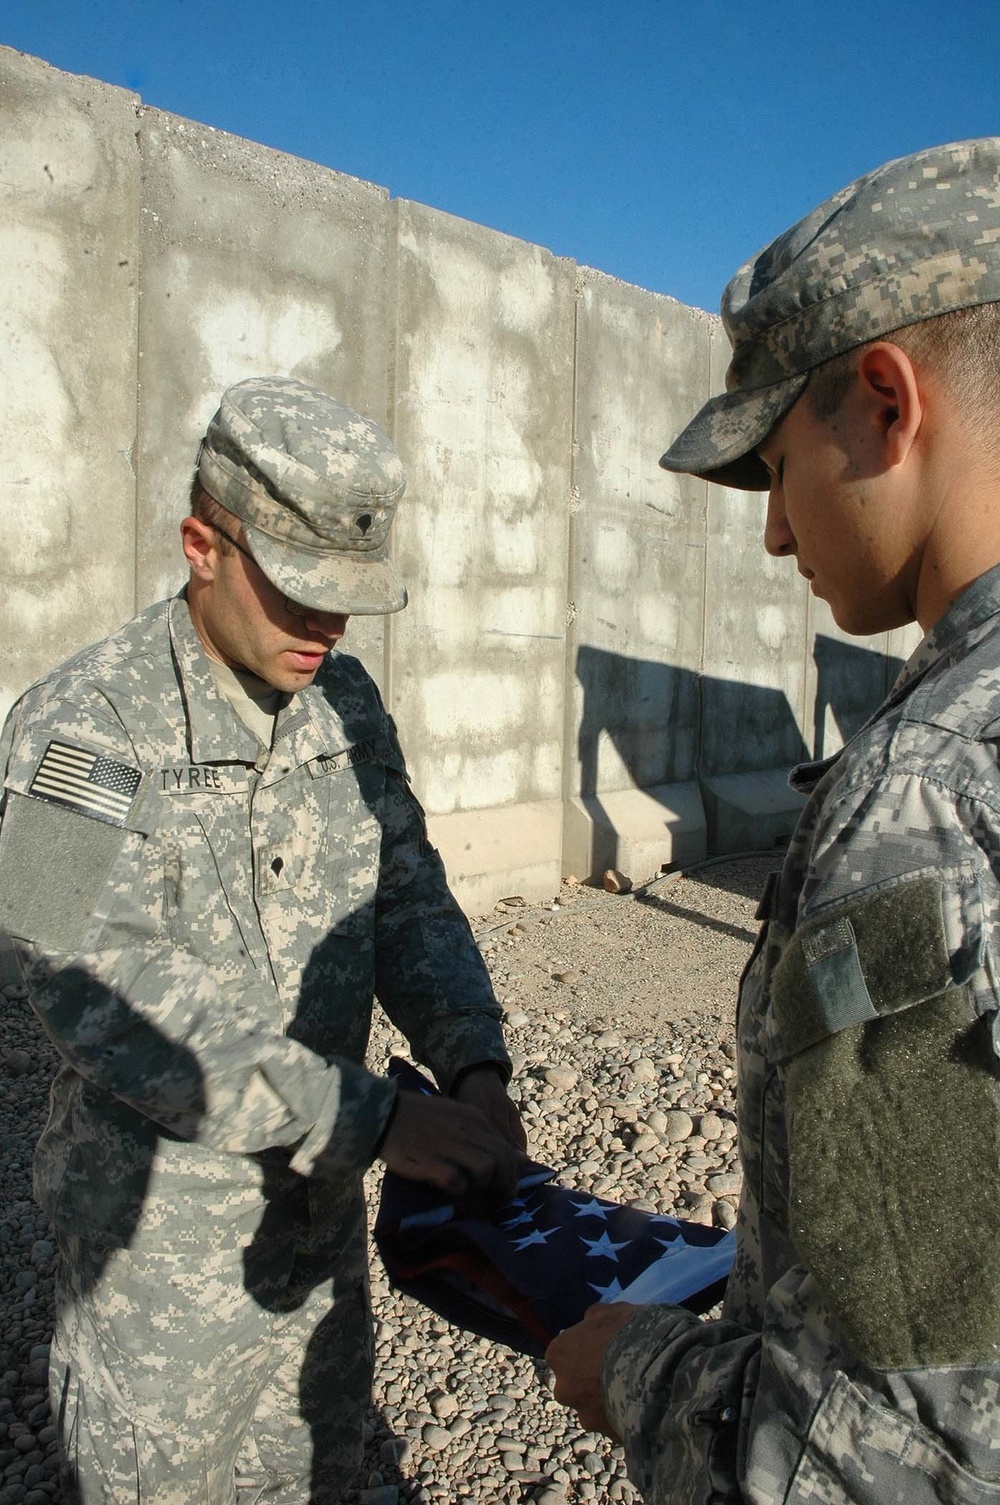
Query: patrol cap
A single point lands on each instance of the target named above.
(913, 239)
(316, 487)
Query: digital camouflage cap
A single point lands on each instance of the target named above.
(316, 487)
(916, 238)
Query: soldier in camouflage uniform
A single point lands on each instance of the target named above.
(858, 1355)
(211, 858)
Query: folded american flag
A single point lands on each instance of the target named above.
(522, 1272)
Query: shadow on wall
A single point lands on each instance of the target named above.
(669, 726)
(851, 683)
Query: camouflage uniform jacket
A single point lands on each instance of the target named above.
(204, 951)
(858, 1355)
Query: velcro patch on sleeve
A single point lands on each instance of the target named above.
(882, 952)
(894, 1183)
(90, 783)
(53, 869)
(893, 1115)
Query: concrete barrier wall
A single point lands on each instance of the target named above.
(69, 207)
(599, 665)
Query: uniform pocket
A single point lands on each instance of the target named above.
(858, 1453)
(353, 799)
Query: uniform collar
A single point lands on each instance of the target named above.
(970, 611)
(310, 726)
(967, 613)
(215, 732)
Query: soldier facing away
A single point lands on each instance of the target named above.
(857, 1360)
(211, 860)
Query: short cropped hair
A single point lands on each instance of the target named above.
(961, 348)
(207, 510)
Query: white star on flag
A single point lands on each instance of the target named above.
(591, 1209)
(607, 1293)
(603, 1248)
(536, 1236)
(524, 1216)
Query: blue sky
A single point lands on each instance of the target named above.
(663, 141)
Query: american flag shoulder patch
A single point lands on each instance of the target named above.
(88, 782)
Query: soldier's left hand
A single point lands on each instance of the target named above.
(484, 1089)
(575, 1358)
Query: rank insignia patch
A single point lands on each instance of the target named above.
(88, 782)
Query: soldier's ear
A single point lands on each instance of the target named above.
(200, 547)
(893, 399)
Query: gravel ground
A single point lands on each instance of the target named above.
(619, 1014)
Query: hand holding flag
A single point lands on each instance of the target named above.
(483, 1088)
(450, 1145)
(523, 1272)
(575, 1358)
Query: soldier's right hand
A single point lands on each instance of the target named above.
(452, 1146)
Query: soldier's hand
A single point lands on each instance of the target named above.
(450, 1145)
(575, 1358)
(483, 1088)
